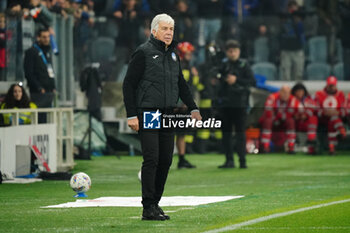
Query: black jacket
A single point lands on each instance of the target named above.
(35, 70)
(154, 79)
(236, 95)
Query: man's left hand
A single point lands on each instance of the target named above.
(196, 115)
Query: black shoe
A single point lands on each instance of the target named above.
(227, 165)
(243, 166)
(185, 164)
(167, 217)
(152, 213)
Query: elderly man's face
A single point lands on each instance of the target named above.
(164, 33)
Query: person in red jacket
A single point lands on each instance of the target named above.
(347, 106)
(280, 111)
(331, 109)
(306, 121)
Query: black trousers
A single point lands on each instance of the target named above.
(42, 101)
(157, 151)
(234, 117)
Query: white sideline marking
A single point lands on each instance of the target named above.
(136, 201)
(272, 216)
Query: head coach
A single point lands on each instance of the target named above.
(154, 82)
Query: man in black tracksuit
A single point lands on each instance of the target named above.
(38, 71)
(38, 68)
(153, 82)
(236, 79)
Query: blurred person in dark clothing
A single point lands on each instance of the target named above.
(82, 32)
(344, 12)
(184, 22)
(292, 40)
(329, 24)
(128, 16)
(190, 74)
(240, 9)
(209, 24)
(158, 6)
(235, 82)
(58, 7)
(39, 72)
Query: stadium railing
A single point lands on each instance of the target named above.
(63, 119)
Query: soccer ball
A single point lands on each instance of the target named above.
(80, 182)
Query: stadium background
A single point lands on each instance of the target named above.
(274, 183)
(107, 31)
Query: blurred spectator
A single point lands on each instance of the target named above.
(143, 6)
(344, 12)
(292, 40)
(279, 116)
(14, 9)
(329, 24)
(129, 22)
(190, 74)
(43, 19)
(208, 73)
(3, 5)
(160, 6)
(83, 23)
(184, 22)
(271, 7)
(306, 121)
(40, 14)
(38, 70)
(58, 7)
(16, 97)
(209, 24)
(236, 23)
(331, 109)
(2, 46)
(240, 9)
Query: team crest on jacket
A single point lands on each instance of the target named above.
(173, 55)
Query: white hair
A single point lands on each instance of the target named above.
(161, 18)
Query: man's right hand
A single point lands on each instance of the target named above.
(134, 124)
(231, 79)
(42, 90)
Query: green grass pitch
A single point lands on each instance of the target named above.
(273, 183)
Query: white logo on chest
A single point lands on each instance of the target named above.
(330, 102)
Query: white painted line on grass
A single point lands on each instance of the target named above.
(272, 216)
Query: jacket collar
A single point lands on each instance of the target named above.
(160, 45)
